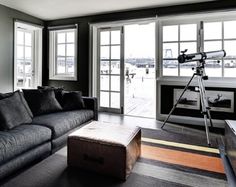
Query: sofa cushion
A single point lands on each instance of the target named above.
(72, 100)
(21, 139)
(5, 95)
(62, 122)
(42, 101)
(57, 90)
(13, 112)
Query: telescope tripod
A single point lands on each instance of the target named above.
(200, 73)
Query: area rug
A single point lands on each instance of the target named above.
(168, 159)
(182, 158)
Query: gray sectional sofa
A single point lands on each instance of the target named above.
(27, 143)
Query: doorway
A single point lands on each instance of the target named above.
(139, 95)
(126, 69)
(28, 56)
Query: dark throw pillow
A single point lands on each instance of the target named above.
(6, 95)
(42, 101)
(73, 100)
(13, 112)
(57, 91)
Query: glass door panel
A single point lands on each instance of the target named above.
(110, 74)
(25, 62)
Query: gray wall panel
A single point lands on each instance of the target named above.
(7, 17)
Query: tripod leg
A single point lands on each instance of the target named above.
(209, 116)
(205, 107)
(173, 108)
(207, 130)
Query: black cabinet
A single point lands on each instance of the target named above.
(230, 142)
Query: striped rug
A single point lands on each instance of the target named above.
(168, 159)
(180, 159)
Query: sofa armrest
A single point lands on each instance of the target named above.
(92, 104)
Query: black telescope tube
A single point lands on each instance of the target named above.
(184, 58)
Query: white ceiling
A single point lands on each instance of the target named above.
(57, 9)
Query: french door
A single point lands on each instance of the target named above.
(25, 64)
(110, 69)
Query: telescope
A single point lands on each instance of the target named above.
(184, 58)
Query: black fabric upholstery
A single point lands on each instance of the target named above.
(21, 139)
(26, 104)
(25, 159)
(42, 101)
(72, 101)
(62, 122)
(91, 103)
(57, 90)
(5, 95)
(13, 112)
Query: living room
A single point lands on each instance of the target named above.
(117, 93)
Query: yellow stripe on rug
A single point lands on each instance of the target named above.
(181, 145)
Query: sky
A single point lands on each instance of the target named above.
(140, 41)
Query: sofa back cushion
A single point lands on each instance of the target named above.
(42, 101)
(57, 90)
(72, 100)
(5, 95)
(13, 112)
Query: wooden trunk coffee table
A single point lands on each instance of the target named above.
(105, 148)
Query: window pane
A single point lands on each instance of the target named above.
(104, 99)
(115, 100)
(230, 48)
(61, 65)
(230, 68)
(212, 30)
(115, 52)
(20, 52)
(212, 46)
(170, 50)
(186, 68)
(170, 68)
(20, 68)
(170, 33)
(190, 46)
(70, 37)
(115, 83)
(20, 38)
(115, 37)
(213, 69)
(229, 29)
(28, 68)
(105, 52)
(105, 37)
(70, 66)
(61, 37)
(70, 51)
(61, 51)
(104, 82)
(28, 53)
(188, 32)
(115, 67)
(104, 67)
(28, 39)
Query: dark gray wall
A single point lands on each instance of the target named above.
(7, 17)
(83, 35)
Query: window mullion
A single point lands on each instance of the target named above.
(222, 43)
(178, 48)
(66, 71)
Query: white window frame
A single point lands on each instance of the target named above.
(193, 19)
(36, 50)
(53, 56)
